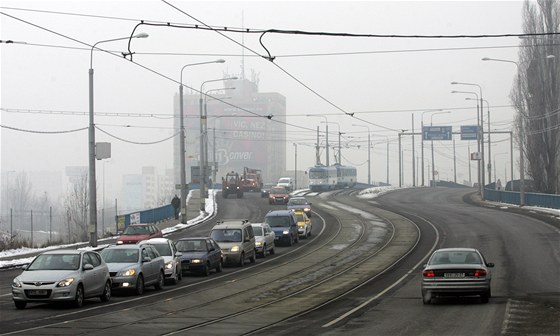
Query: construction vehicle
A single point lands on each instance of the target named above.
(252, 179)
(232, 184)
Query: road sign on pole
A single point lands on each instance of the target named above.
(437, 133)
(469, 132)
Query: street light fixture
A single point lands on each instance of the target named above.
(339, 144)
(202, 160)
(369, 153)
(92, 227)
(489, 165)
(422, 141)
(182, 154)
(521, 133)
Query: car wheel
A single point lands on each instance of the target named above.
(179, 274)
(220, 267)
(159, 283)
(426, 297)
(140, 285)
(297, 239)
(205, 270)
(242, 260)
(253, 258)
(484, 297)
(271, 252)
(290, 241)
(20, 304)
(79, 298)
(106, 296)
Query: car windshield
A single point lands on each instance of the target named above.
(55, 262)
(455, 257)
(120, 255)
(277, 221)
(163, 249)
(297, 201)
(287, 181)
(258, 230)
(136, 230)
(191, 245)
(299, 217)
(278, 191)
(226, 235)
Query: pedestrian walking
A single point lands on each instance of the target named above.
(176, 202)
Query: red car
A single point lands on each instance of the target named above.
(278, 195)
(135, 233)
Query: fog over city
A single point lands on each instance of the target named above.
(395, 76)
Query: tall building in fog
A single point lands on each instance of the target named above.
(249, 131)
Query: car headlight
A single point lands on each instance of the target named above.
(16, 283)
(197, 261)
(235, 248)
(306, 209)
(169, 265)
(258, 244)
(286, 232)
(128, 272)
(65, 283)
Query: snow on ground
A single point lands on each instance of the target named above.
(211, 206)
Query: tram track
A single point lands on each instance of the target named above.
(336, 261)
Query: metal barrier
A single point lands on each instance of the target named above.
(531, 199)
(146, 216)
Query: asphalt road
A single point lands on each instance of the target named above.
(526, 281)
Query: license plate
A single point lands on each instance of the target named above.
(38, 292)
(454, 275)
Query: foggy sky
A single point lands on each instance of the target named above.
(44, 87)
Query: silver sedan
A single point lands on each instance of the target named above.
(62, 275)
(456, 272)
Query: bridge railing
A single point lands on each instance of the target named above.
(152, 216)
(531, 199)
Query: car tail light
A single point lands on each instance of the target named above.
(429, 274)
(480, 273)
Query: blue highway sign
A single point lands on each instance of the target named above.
(469, 132)
(436, 133)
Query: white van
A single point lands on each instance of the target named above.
(237, 241)
(286, 182)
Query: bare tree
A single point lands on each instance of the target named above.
(21, 195)
(76, 204)
(537, 99)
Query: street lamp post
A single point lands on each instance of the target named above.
(489, 165)
(481, 131)
(92, 227)
(326, 134)
(369, 152)
(202, 160)
(206, 133)
(338, 127)
(521, 134)
(422, 141)
(182, 140)
(432, 141)
(295, 166)
(478, 135)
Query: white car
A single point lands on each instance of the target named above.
(264, 239)
(63, 275)
(171, 256)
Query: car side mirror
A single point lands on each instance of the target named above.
(146, 259)
(490, 264)
(212, 249)
(87, 267)
(24, 267)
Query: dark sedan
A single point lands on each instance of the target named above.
(456, 272)
(200, 255)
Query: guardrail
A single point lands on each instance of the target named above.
(146, 216)
(531, 199)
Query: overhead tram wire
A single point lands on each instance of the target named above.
(270, 117)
